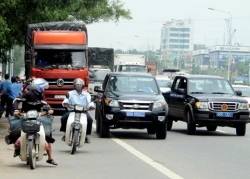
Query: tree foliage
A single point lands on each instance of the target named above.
(16, 14)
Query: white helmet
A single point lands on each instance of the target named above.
(78, 81)
(39, 85)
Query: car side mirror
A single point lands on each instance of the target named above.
(98, 89)
(169, 84)
(238, 93)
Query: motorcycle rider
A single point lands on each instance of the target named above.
(77, 96)
(34, 96)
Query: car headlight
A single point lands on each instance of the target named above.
(159, 104)
(201, 105)
(111, 102)
(244, 106)
(32, 114)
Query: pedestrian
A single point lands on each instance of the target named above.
(13, 91)
(4, 97)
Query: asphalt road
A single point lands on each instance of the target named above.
(134, 154)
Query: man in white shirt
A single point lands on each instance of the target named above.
(81, 97)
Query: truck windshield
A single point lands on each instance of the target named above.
(60, 58)
(132, 68)
(98, 75)
(134, 84)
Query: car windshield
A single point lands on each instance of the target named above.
(132, 68)
(136, 84)
(60, 58)
(215, 86)
(163, 82)
(98, 75)
(245, 90)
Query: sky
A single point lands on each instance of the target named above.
(144, 30)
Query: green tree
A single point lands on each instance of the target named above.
(16, 14)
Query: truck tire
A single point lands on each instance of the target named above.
(161, 131)
(191, 127)
(241, 129)
(211, 128)
(104, 129)
(169, 123)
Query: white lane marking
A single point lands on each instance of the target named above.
(146, 159)
(221, 131)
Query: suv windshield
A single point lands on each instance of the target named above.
(215, 86)
(132, 84)
(60, 58)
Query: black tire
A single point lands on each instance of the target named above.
(161, 131)
(169, 123)
(32, 155)
(74, 141)
(104, 129)
(151, 130)
(211, 128)
(191, 127)
(241, 129)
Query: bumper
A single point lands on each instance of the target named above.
(119, 118)
(209, 117)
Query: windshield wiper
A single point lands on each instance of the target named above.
(218, 93)
(197, 92)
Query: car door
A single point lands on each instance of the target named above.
(172, 100)
(181, 95)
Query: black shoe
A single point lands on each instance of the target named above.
(16, 152)
(63, 138)
(7, 140)
(87, 140)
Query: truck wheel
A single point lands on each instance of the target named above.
(241, 129)
(104, 129)
(151, 130)
(169, 123)
(161, 131)
(211, 128)
(191, 127)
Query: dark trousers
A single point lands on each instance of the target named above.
(10, 106)
(64, 120)
(4, 100)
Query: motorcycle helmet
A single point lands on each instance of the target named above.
(78, 81)
(39, 85)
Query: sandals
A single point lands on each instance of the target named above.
(51, 161)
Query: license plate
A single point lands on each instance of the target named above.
(60, 96)
(224, 114)
(135, 114)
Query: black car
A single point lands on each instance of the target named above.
(131, 100)
(206, 101)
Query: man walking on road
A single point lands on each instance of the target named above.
(4, 98)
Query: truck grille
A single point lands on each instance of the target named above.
(67, 81)
(136, 105)
(216, 106)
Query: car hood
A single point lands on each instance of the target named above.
(135, 96)
(219, 97)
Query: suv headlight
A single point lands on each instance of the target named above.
(111, 102)
(159, 104)
(244, 106)
(201, 105)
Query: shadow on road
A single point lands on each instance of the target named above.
(203, 133)
(133, 135)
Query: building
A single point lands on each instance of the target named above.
(218, 55)
(177, 37)
(201, 58)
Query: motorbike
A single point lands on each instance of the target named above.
(76, 127)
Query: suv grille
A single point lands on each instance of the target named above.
(136, 105)
(216, 106)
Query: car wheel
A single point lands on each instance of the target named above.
(211, 128)
(104, 129)
(161, 131)
(191, 127)
(241, 129)
(169, 123)
(151, 130)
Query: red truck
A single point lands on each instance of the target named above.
(57, 52)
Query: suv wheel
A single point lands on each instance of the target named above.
(151, 130)
(161, 131)
(169, 123)
(211, 128)
(104, 129)
(241, 129)
(191, 127)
